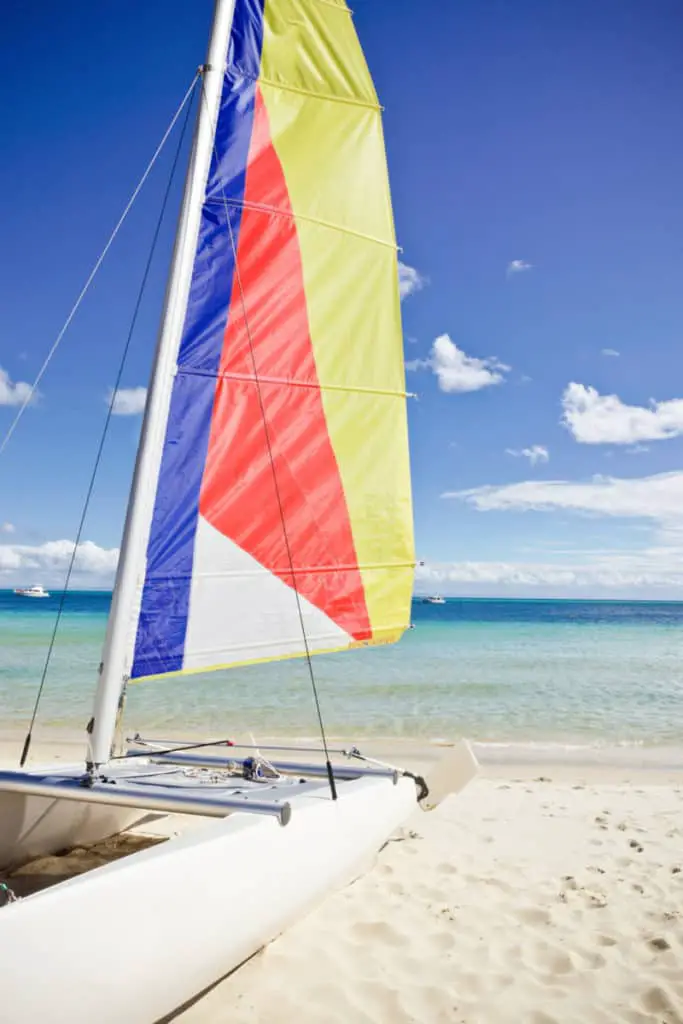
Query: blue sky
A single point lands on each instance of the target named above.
(536, 161)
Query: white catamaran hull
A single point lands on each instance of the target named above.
(35, 826)
(137, 939)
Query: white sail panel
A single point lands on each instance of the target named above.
(240, 613)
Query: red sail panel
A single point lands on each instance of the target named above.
(267, 337)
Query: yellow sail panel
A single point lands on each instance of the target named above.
(325, 125)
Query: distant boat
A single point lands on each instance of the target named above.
(36, 591)
(435, 599)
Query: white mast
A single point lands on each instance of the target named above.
(130, 573)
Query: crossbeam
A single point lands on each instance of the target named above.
(341, 772)
(165, 799)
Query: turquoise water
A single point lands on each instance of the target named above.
(570, 672)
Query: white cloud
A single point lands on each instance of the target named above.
(653, 505)
(593, 418)
(12, 392)
(610, 352)
(536, 453)
(7, 528)
(410, 280)
(658, 497)
(518, 266)
(51, 559)
(457, 371)
(608, 574)
(128, 401)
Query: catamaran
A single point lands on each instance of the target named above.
(269, 517)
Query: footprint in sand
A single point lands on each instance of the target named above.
(534, 915)
(441, 942)
(379, 931)
(593, 961)
(560, 963)
(658, 1000)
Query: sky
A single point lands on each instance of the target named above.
(536, 162)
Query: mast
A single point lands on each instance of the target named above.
(114, 669)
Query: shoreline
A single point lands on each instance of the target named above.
(518, 761)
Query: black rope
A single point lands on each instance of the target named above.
(171, 750)
(290, 558)
(100, 449)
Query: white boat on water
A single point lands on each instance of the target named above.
(36, 591)
(269, 517)
(435, 599)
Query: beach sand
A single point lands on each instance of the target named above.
(518, 901)
(544, 892)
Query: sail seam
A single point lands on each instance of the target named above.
(263, 208)
(250, 379)
(382, 636)
(282, 642)
(242, 574)
(351, 101)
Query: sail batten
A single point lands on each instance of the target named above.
(291, 382)
(286, 570)
(284, 489)
(260, 207)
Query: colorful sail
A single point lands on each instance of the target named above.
(284, 487)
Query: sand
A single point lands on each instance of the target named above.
(519, 901)
(543, 893)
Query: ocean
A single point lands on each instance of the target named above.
(574, 673)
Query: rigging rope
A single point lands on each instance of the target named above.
(262, 408)
(105, 429)
(74, 309)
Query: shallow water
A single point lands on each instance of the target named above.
(567, 672)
